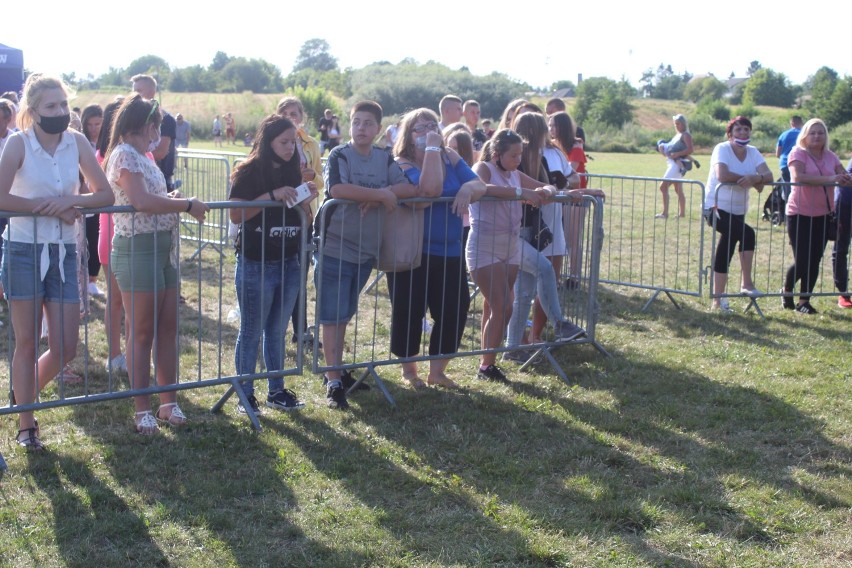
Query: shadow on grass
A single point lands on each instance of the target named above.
(91, 523)
(213, 479)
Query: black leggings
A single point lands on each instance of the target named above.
(732, 230)
(92, 233)
(807, 237)
(440, 284)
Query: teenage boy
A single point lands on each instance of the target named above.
(369, 176)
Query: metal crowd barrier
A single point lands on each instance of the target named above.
(207, 282)
(665, 256)
(368, 332)
(207, 176)
(773, 254)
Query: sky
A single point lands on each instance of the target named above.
(556, 41)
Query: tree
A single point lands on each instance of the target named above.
(149, 65)
(708, 87)
(664, 83)
(766, 87)
(219, 61)
(821, 90)
(253, 75)
(603, 100)
(753, 68)
(314, 55)
(838, 110)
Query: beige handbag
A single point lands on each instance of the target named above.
(402, 240)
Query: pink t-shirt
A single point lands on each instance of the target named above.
(498, 217)
(812, 200)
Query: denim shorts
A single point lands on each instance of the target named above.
(23, 282)
(143, 263)
(339, 286)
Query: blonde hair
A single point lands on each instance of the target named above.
(806, 129)
(34, 90)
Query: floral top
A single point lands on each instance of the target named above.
(126, 157)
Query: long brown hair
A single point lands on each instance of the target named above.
(532, 127)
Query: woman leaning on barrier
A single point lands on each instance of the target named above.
(493, 249)
(268, 273)
(813, 167)
(39, 173)
(439, 283)
(144, 256)
(735, 167)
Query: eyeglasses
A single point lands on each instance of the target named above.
(154, 106)
(421, 128)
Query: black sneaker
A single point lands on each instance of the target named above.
(348, 380)
(284, 400)
(307, 341)
(252, 402)
(492, 373)
(806, 308)
(336, 397)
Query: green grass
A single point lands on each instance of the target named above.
(703, 441)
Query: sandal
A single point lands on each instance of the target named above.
(68, 376)
(147, 424)
(31, 442)
(176, 418)
(442, 381)
(414, 381)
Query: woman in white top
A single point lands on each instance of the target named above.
(39, 173)
(735, 167)
(678, 147)
(144, 255)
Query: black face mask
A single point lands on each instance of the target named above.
(55, 124)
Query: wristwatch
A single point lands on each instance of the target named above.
(518, 192)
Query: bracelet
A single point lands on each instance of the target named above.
(432, 149)
(271, 195)
(188, 205)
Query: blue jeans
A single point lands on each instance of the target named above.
(840, 251)
(266, 292)
(536, 274)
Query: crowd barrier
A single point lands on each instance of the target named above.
(368, 336)
(665, 256)
(206, 335)
(773, 254)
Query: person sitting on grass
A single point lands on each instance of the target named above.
(360, 172)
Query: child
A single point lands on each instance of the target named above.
(357, 171)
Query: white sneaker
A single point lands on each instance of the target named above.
(118, 363)
(94, 290)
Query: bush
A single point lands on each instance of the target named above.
(707, 125)
(747, 110)
(841, 140)
(715, 108)
(767, 126)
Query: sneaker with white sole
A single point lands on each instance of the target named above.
(255, 406)
(285, 400)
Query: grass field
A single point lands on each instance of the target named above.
(703, 441)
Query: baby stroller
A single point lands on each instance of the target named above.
(775, 204)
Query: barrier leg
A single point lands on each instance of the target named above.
(374, 283)
(236, 389)
(371, 371)
(3, 466)
(753, 303)
(654, 297)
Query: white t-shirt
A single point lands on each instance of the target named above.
(731, 198)
(552, 212)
